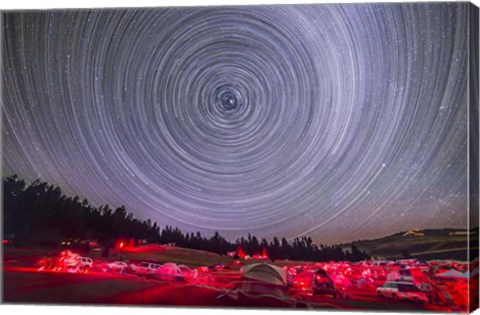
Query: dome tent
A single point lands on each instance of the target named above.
(169, 271)
(261, 285)
(266, 273)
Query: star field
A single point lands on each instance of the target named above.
(339, 122)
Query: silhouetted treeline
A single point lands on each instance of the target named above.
(40, 214)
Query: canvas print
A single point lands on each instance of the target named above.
(320, 156)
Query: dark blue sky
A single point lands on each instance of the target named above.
(340, 122)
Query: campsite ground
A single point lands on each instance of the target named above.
(26, 285)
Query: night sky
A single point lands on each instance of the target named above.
(339, 122)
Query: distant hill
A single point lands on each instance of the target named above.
(421, 244)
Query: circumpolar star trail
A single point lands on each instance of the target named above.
(339, 122)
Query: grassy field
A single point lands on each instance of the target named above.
(190, 257)
(186, 256)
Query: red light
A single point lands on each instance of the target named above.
(5, 242)
(121, 244)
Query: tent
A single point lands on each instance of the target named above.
(169, 271)
(259, 282)
(169, 268)
(269, 274)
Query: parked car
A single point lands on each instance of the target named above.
(117, 266)
(172, 272)
(86, 262)
(78, 263)
(146, 269)
(322, 284)
(402, 291)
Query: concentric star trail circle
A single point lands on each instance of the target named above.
(338, 122)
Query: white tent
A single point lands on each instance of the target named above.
(169, 268)
(259, 280)
(266, 273)
(262, 284)
(168, 271)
